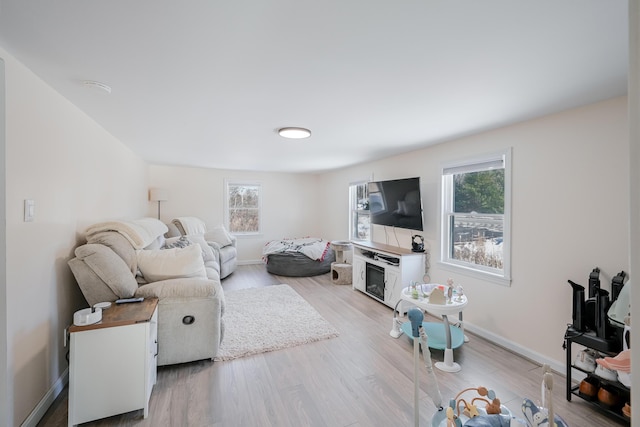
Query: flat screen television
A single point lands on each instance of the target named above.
(396, 203)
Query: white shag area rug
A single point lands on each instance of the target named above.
(258, 320)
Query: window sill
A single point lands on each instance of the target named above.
(247, 235)
(476, 274)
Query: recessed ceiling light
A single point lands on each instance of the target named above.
(97, 85)
(295, 133)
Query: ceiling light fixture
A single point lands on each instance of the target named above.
(294, 133)
(97, 85)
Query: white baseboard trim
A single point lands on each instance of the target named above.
(45, 403)
(527, 353)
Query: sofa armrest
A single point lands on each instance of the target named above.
(215, 247)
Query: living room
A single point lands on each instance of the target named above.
(570, 206)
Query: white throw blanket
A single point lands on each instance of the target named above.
(191, 225)
(139, 232)
(313, 247)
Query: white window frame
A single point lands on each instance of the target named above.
(353, 210)
(475, 164)
(228, 183)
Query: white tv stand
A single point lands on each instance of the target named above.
(400, 267)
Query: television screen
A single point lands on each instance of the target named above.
(396, 203)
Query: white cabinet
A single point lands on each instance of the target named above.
(400, 267)
(112, 364)
(392, 286)
(359, 273)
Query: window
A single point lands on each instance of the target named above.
(476, 199)
(243, 202)
(359, 211)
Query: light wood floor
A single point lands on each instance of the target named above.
(361, 378)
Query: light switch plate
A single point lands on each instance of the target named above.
(29, 210)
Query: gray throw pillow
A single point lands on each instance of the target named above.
(177, 242)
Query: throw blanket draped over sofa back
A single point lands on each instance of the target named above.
(139, 232)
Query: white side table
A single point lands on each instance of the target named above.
(454, 306)
(112, 364)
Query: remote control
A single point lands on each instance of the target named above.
(127, 300)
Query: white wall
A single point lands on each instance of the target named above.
(4, 379)
(570, 214)
(77, 174)
(290, 205)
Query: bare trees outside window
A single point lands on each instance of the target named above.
(243, 207)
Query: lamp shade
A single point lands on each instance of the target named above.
(158, 195)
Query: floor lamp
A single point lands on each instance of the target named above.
(158, 195)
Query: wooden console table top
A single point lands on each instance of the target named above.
(122, 314)
(396, 250)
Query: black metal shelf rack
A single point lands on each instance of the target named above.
(611, 347)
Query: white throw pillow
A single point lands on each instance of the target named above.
(172, 263)
(219, 235)
(207, 252)
(192, 239)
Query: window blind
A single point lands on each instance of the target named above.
(474, 167)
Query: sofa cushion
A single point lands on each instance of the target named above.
(183, 241)
(228, 253)
(109, 267)
(171, 263)
(157, 243)
(182, 288)
(119, 244)
(207, 252)
(92, 286)
(213, 270)
(219, 235)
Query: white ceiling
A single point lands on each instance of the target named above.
(208, 83)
